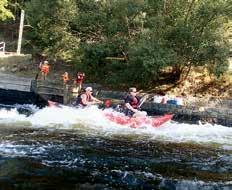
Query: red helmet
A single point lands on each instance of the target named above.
(107, 103)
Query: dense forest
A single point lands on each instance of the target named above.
(128, 41)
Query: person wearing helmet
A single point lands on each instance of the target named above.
(65, 77)
(87, 98)
(132, 104)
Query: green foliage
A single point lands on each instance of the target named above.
(198, 39)
(132, 41)
(4, 12)
(51, 27)
(148, 58)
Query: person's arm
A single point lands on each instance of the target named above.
(128, 106)
(96, 100)
(40, 65)
(84, 100)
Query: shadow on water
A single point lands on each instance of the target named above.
(68, 159)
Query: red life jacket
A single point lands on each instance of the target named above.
(80, 78)
(134, 103)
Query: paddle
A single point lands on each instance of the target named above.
(107, 103)
(104, 104)
(141, 113)
(143, 99)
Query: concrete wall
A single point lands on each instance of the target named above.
(11, 97)
(15, 59)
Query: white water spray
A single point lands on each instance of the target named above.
(92, 120)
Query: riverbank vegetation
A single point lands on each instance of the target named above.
(144, 43)
(4, 12)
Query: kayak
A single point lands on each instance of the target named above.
(136, 122)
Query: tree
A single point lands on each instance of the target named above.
(51, 31)
(151, 35)
(197, 37)
(133, 41)
(4, 12)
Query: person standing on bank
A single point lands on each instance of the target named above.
(65, 77)
(44, 69)
(132, 104)
(87, 98)
(79, 80)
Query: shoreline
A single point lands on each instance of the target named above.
(213, 111)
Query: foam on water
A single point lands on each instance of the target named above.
(11, 116)
(93, 119)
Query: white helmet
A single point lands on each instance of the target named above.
(88, 88)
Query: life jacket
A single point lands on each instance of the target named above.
(80, 77)
(65, 78)
(79, 99)
(45, 68)
(134, 101)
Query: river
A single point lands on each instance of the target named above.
(68, 148)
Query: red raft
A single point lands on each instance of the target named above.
(136, 122)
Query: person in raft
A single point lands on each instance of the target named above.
(132, 104)
(87, 98)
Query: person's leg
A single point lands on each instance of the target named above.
(79, 86)
(75, 91)
(140, 114)
(128, 112)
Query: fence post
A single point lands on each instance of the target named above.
(2, 49)
(20, 32)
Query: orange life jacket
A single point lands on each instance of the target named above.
(45, 68)
(65, 78)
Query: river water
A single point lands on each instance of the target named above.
(68, 148)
